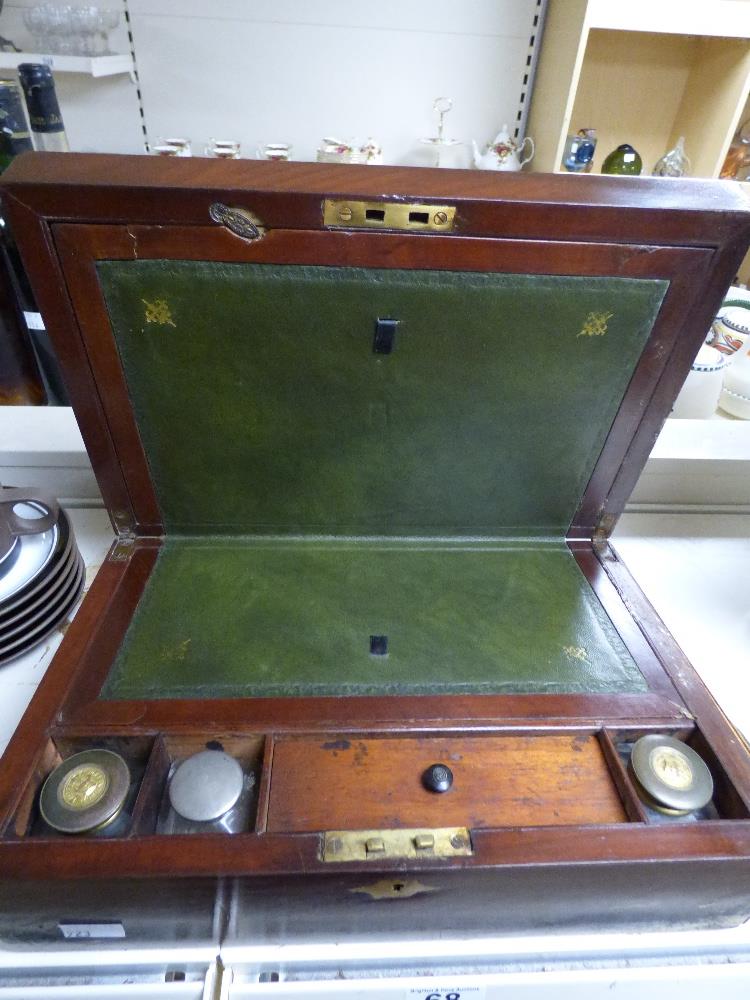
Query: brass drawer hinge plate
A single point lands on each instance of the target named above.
(122, 548)
(346, 214)
(379, 845)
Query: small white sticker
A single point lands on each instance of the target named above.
(438, 991)
(34, 321)
(628, 158)
(111, 929)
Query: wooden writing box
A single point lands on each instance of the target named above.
(363, 433)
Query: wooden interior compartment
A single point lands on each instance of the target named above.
(726, 803)
(617, 769)
(171, 749)
(135, 750)
(246, 748)
(358, 782)
(21, 821)
(690, 86)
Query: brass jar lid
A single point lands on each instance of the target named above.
(87, 791)
(669, 775)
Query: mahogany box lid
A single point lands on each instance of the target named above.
(489, 381)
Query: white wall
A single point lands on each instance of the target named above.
(297, 70)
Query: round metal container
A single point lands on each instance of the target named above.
(40, 626)
(28, 555)
(669, 775)
(86, 792)
(63, 551)
(206, 785)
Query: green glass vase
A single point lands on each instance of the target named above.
(623, 160)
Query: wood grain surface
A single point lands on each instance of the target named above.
(342, 784)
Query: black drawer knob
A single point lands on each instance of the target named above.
(437, 778)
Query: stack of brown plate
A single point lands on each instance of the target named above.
(41, 570)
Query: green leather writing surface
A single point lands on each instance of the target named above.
(315, 489)
(232, 617)
(263, 408)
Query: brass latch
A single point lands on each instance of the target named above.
(388, 215)
(369, 845)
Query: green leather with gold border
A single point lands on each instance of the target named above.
(316, 492)
(230, 618)
(263, 408)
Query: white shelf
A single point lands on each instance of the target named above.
(90, 65)
(713, 18)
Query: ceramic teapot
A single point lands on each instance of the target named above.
(504, 153)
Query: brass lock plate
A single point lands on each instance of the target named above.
(345, 214)
(378, 845)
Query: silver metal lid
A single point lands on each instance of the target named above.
(30, 553)
(671, 775)
(206, 785)
(85, 792)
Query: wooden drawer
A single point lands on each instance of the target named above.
(352, 783)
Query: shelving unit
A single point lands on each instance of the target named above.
(95, 66)
(643, 73)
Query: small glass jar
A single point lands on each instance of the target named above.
(208, 792)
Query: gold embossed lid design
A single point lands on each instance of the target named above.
(83, 787)
(669, 775)
(85, 792)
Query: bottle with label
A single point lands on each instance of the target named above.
(29, 372)
(14, 132)
(32, 333)
(20, 379)
(44, 111)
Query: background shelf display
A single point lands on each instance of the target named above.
(681, 71)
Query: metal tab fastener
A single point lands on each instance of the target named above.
(369, 845)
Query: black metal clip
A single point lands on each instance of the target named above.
(385, 333)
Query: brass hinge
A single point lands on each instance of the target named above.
(122, 549)
(388, 215)
(604, 528)
(379, 845)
